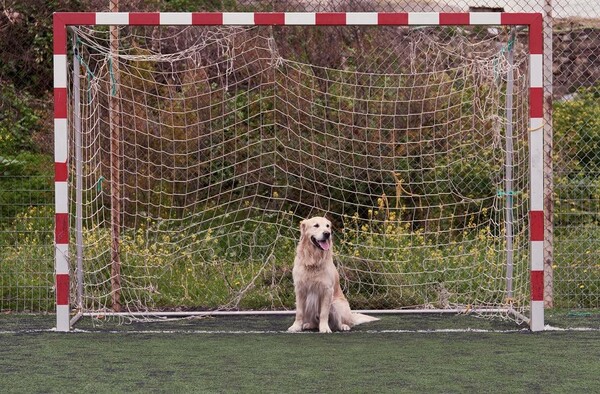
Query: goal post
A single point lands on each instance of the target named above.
(220, 149)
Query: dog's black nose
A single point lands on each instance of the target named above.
(326, 234)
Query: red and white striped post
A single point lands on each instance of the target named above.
(532, 20)
(61, 145)
(536, 169)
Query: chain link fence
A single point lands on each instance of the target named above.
(572, 90)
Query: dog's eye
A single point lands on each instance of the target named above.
(316, 225)
(327, 226)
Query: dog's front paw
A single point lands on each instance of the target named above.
(296, 327)
(325, 329)
(345, 327)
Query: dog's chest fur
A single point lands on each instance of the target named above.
(318, 275)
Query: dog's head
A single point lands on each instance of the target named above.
(316, 231)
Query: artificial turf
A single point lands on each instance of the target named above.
(254, 354)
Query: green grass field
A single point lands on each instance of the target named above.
(403, 353)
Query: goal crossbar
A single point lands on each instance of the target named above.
(531, 21)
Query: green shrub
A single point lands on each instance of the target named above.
(246, 263)
(18, 120)
(577, 159)
(577, 132)
(27, 261)
(26, 182)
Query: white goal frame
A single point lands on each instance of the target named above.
(532, 21)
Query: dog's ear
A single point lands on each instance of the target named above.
(302, 229)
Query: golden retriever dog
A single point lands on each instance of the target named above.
(320, 302)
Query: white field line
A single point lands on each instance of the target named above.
(254, 332)
(550, 328)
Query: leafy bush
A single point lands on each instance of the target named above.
(246, 263)
(25, 182)
(272, 126)
(26, 42)
(577, 160)
(18, 120)
(577, 129)
(27, 260)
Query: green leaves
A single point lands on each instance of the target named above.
(18, 120)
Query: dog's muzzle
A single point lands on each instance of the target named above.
(324, 243)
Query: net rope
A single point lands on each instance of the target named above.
(232, 135)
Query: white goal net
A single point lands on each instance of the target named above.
(412, 141)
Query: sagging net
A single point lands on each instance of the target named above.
(405, 138)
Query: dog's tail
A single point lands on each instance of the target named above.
(359, 318)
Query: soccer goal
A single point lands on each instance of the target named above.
(190, 145)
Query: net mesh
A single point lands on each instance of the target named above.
(405, 138)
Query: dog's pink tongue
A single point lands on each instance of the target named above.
(324, 244)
